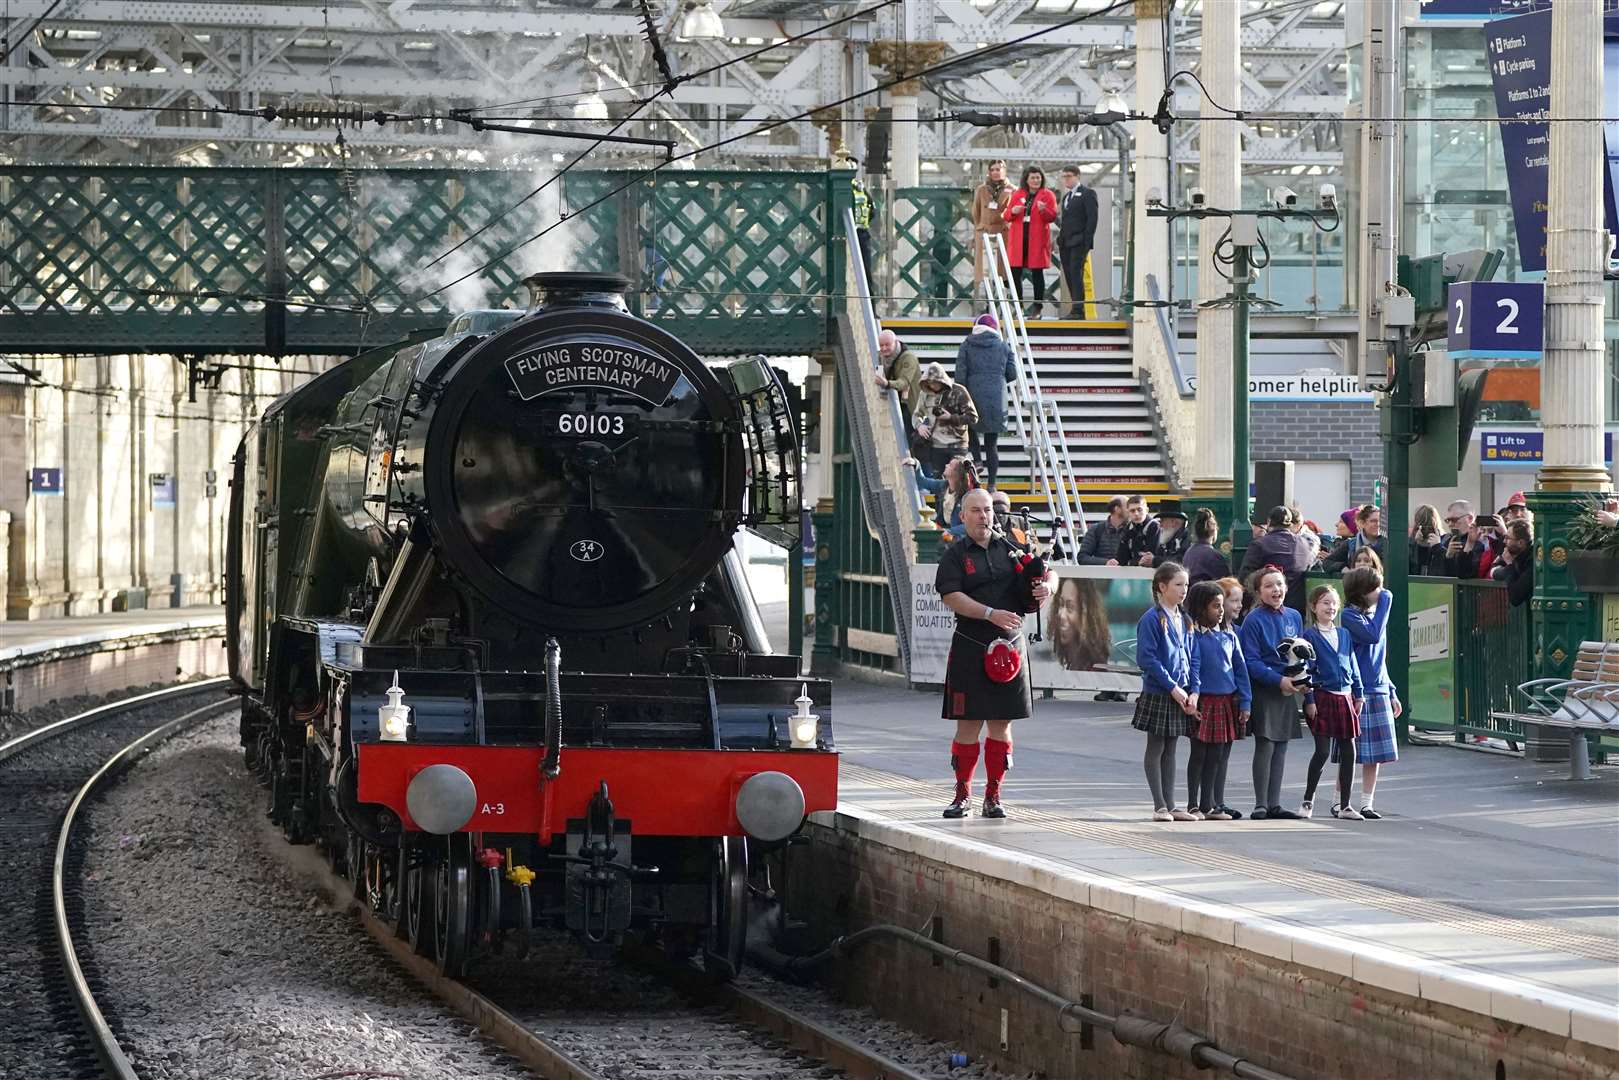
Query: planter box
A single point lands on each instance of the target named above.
(1594, 572)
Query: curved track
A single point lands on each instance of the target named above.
(55, 1028)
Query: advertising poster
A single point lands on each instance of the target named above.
(1088, 626)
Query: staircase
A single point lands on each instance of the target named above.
(1086, 368)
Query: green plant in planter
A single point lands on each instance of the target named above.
(1594, 529)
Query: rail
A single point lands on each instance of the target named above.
(1041, 431)
(889, 497)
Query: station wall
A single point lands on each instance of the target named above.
(127, 514)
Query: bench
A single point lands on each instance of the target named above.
(1588, 701)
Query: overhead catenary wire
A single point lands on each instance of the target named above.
(771, 125)
(12, 43)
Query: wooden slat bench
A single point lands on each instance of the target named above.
(1587, 701)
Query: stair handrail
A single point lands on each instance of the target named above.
(891, 500)
(1048, 449)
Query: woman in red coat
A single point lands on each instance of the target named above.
(1028, 242)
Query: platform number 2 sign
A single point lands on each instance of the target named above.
(1495, 320)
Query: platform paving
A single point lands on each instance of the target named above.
(1483, 860)
(19, 637)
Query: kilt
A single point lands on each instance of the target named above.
(1275, 716)
(1377, 731)
(1217, 719)
(969, 694)
(1157, 714)
(1335, 716)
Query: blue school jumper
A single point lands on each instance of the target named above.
(1275, 715)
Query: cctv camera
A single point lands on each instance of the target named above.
(1285, 197)
(1196, 197)
(1155, 196)
(1327, 197)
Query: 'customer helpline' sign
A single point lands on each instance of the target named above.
(1524, 449)
(1518, 52)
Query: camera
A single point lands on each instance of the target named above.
(937, 411)
(1197, 198)
(1326, 197)
(1285, 197)
(1155, 196)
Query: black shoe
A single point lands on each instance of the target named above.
(1236, 815)
(1369, 814)
(958, 808)
(1259, 813)
(992, 808)
(1277, 813)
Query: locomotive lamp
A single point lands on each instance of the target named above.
(803, 723)
(394, 717)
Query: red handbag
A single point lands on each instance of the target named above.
(1002, 661)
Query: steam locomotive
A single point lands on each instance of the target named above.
(496, 649)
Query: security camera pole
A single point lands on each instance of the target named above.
(1235, 249)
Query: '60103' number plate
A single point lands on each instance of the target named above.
(589, 425)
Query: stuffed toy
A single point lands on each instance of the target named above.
(1296, 655)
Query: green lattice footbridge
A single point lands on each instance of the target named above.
(184, 260)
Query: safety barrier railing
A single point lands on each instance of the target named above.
(1036, 418)
(890, 499)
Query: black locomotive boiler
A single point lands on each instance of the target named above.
(496, 648)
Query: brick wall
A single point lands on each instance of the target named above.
(1285, 1016)
(116, 668)
(1320, 431)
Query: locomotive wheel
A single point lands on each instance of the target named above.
(452, 929)
(399, 909)
(422, 903)
(728, 910)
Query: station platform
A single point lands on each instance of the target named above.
(25, 638)
(1491, 884)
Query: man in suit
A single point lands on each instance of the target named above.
(1076, 235)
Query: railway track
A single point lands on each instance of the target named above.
(55, 1028)
(570, 1018)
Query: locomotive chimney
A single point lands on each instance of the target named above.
(567, 288)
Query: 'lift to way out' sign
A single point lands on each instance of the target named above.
(1495, 320)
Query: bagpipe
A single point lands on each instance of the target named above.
(1002, 660)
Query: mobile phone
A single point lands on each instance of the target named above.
(1487, 521)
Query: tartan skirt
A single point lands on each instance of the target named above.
(1335, 716)
(1157, 714)
(1217, 719)
(970, 694)
(1377, 731)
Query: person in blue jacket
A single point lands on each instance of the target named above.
(1220, 682)
(1332, 704)
(1366, 617)
(1166, 708)
(1274, 721)
(984, 365)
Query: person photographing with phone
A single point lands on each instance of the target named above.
(1471, 546)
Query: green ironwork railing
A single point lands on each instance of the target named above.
(931, 257)
(104, 259)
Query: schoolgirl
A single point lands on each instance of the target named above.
(1220, 684)
(1166, 709)
(1366, 617)
(1275, 718)
(1332, 705)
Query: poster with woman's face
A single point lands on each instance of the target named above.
(1088, 628)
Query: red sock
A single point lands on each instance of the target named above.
(964, 759)
(997, 759)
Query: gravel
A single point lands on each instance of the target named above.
(217, 961)
(221, 961)
(49, 712)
